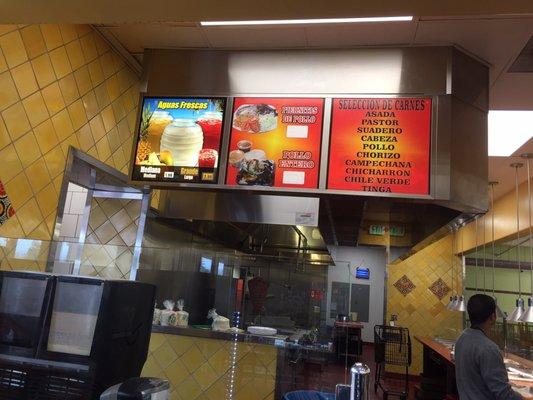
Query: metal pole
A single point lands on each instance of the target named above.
(492, 231)
(528, 156)
(475, 270)
(519, 310)
(516, 166)
(484, 255)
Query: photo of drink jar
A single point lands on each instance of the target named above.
(208, 158)
(211, 124)
(184, 139)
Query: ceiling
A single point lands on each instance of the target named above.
(133, 11)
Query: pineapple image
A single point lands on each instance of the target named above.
(143, 147)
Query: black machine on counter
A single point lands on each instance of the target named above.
(70, 337)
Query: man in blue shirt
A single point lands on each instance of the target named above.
(479, 369)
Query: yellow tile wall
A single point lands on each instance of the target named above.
(201, 369)
(60, 85)
(421, 311)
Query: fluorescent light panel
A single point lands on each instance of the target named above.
(308, 21)
(508, 131)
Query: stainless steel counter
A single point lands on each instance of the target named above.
(277, 340)
(281, 341)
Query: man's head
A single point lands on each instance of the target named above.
(481, 310)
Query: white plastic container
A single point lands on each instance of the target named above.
(184, 139)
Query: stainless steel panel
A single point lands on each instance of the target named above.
(239, 207)
(224, 147)
(324, 153)
(440, 147)
(469, 164)
(470, 80)
(420, 70)
(145, 205)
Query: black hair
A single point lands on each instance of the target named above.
(480, 308)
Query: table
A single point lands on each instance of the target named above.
(347, 339)
(438, 366)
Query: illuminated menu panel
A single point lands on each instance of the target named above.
(275, 142)
(380, 145)
(179, 140)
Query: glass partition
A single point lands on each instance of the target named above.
(499, 275)
(74, 315)
(21, 304)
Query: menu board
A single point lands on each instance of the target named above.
(380, 145)
(179, 140)
(275, 142)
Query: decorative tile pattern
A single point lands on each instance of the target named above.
(194, 373)
(422, 312)
(404, 285)
(439, 288)
(6, 209)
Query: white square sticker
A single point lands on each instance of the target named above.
(297, 131)
(294, 177)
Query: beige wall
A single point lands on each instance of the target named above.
(504, 219)
(60, 85)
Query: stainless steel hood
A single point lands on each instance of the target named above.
(301, 243)
(292, 226)
(281, 226)
(456, 82)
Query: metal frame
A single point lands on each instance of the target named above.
(78, 159)
(84, 226)
(324, 151)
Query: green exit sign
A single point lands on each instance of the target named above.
(397, 231)
(380, 230)
(377, 230)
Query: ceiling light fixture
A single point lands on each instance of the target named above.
(502, 143)
(405, 18)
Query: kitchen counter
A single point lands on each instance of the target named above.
(276, 340)
(349, 324)
(280, 341)
(437, 354)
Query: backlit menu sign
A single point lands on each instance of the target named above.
(179, 140)
(380, 145)
(275, 142)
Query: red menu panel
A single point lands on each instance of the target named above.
(380, 145)
(275, 142)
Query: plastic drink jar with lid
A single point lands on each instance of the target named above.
(184, 139)
(211, 124)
